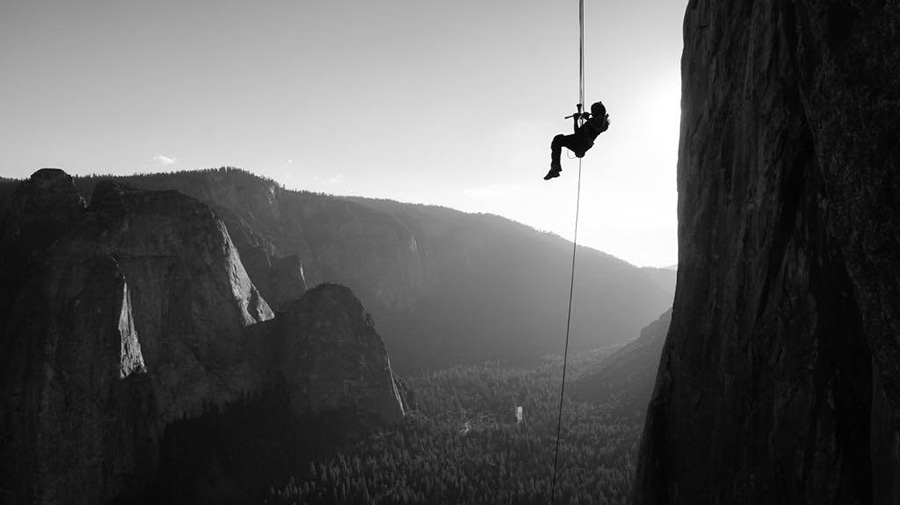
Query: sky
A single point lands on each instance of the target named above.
(445, 102)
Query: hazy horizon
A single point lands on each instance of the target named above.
(421, 102)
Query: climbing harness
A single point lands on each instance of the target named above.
(562, 391)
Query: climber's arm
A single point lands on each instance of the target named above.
(575, 117)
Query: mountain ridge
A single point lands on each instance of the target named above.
(443, 286)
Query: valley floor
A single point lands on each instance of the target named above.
(462, 443)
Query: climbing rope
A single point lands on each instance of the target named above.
(562, 389)
(581, 52)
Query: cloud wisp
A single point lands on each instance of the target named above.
(159, 161)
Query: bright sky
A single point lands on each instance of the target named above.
(448, 102)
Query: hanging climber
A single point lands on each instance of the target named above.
(595, 123)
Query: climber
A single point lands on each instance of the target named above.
(595, 123)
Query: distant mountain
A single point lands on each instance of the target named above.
(444, 287)
(626, 378)
(664, 278)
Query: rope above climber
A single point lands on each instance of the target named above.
(587, 126)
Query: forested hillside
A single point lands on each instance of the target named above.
(463, 444)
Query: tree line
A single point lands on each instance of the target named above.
(462, 444)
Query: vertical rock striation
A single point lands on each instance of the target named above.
(191, 297)
(780, 378)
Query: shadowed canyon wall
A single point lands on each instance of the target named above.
(780, 378)
(123, 322)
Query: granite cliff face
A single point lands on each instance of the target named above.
(73, 391)
(124, 317)
(318, 332)
(780, 378)
(192, 299)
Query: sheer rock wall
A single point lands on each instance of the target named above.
(780, 378)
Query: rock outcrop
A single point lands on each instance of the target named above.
(134, 314)
(318, 333)
(73, 390)
(192, 299)
(39, 210)
(780, 379)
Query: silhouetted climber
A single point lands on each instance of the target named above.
(596, 122)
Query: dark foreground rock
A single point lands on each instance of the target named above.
(317, 333)
(129, 319)
(780, 379)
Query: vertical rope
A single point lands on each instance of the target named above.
(581, 51)
(562, 391)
